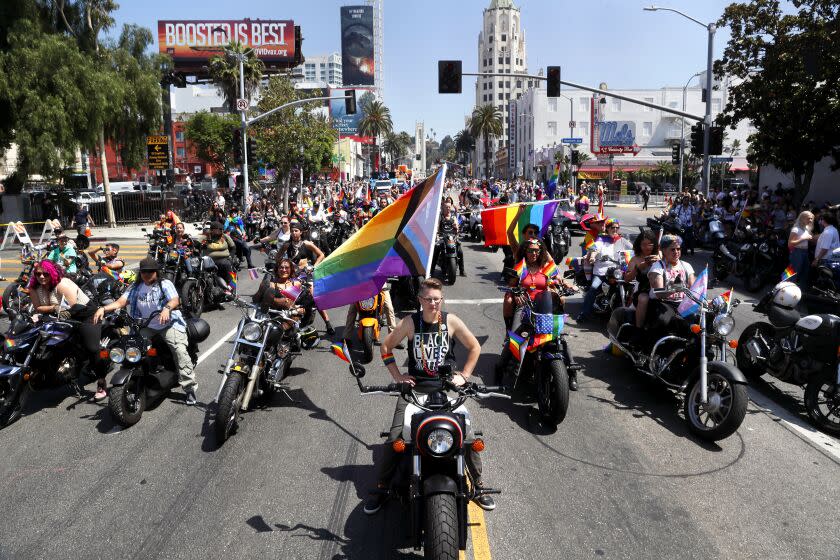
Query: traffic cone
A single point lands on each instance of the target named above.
(88, 233)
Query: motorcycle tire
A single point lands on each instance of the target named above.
(192, 298)
(449, 266)
(750, 369)
(12, 300)
(754, 283)
(441, 530)
(729, 422)
(553, 391)
(119, 402)
(227, 411)
(367, 345)
(12, 412)
(822, 389)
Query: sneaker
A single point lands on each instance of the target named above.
(101, 393)
(375, 502)
(191, 400)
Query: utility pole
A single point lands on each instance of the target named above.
(246, 185)
(708, 120)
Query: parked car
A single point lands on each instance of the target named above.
(88, 197)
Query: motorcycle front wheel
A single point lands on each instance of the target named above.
(441, 531)
(227, 412)
(192, 298)
(822, 400)
(12, 300)
(367, 345)
(553, 391)
(12, 411)
(449, 271)
(128, 402)
(722, 415)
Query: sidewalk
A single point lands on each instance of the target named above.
(132, 232)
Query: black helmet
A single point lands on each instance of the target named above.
(197, 329)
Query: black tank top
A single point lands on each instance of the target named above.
(430, 347)
(300, 252)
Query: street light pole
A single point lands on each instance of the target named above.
(682, 129)
(246, 185)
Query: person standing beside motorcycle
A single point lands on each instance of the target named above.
(800, 235)
(235, 228)
(645, 254)
(109, 257)
(448, 224)
(828, 241)
(52, 293)
(218, 246)
(604, 254)
(150, 294)
(64, 255)
(429, 333)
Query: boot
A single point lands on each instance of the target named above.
(573, 381)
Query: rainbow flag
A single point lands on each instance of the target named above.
(341, 351)
(727, 296)
(627, 257)
(292, 292)
(398, 241)
(515, 343)
(503, 224)
(233, 280)
(588, 245)
(688, 307)
(9, 343)
(521, 270)
(788, 273)
(552, 181)
(538, 340)
(550, 269)
(107, 271)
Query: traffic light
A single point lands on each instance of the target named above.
(350, 102)
(252, 149)
(449, 76)
(716, 141)
(553, 87)
(236, 141)
(575, 157)
(675, 154)
(697, 139)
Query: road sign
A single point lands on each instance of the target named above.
(572, 141)
(157, 149)
(572, 124)
(241, 104)
(720, 159)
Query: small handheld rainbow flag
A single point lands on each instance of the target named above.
(233, 280)
(521, 269)
(515, 343)
(252, 272)
(627, 257)
(727, 297)
(550, 269)
(788, 273)
(9, 343)
(111, 273)
(341, 351)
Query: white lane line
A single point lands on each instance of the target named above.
(207, 353)
(799, 427)
(473, 301)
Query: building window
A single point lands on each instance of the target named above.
(181, 152)
(501, 59)
(552, 105)
(552, 128)
(648, 100)
(716, 105)
(616, 105)
(491, 39)
(500, 97)
(507, 84)
(484, 86)
(583, 104)
(647, 129)
(500, 84)
(507, 96)
(504, 37)
(507, 60)
(584, 127)
(519, 83)
(179, 136)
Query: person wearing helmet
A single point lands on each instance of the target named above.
(152, 294)
(608, 251)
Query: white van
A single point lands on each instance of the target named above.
(119, 187)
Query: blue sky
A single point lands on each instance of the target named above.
(612, 41)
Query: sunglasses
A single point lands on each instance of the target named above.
(432, 300)
(40, 274)
(534, 251)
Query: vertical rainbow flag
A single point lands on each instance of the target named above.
(688, 307)
(503, 224)
(399, 241)
(515, 343)
(550, 269)
(727, 297)
(788, 273)
(341, 351)
(588, 243)
(521, 269)
(551, 188)
(233, 280)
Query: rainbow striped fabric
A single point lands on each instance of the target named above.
(521, 270)
(515, 343)
(727, 296)
(550, 269)
(292, 292)
(552, 181)
(107, 271)
(233, 280)
(589, 244)
(788, 273)
(503, 224)
(341, 351)
(398, 241)
(688, 307)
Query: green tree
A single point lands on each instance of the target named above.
(664, 170)
(376, 121)
(212, 134)
(486, 122)
(464, 145)
(785, 70)
(396, 146)
(224, 72)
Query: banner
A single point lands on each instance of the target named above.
(348, 125)
(357, 59)
(191, 43)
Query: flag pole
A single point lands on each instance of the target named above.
(442, 172)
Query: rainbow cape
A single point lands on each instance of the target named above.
(398, 241)
(552, 181)
(515, 343)
(341, 351)
(503, 224)
(521, 270)
(701, 283)
(788, 273)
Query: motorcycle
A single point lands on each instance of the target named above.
(475, 229)
(340, 232)
(710, 233)
(691, 362)
(447, 250)
(754, 258)
(432, 478)
(259, 361)
(39, 355)
(16, 295)
(544, 361)
(368, 321)
(796, 349)
(558, 238)
(148, 370)
(203, 289)
(614, 292)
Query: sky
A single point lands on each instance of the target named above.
(594, 41)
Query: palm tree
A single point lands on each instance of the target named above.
(224, 72)
(376, 121)
(486, 121)
(395, 145)
(464, 144)
(665, 169)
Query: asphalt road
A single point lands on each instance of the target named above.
(620, 478)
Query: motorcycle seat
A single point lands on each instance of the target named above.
(782, 317)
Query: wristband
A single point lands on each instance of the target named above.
(388, 359)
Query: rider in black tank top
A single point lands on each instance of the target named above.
(431, 346)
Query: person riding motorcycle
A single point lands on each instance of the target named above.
(449, 224)
(606, 251)
(64, 255)
(645, 254)
(109, 257)
(234, 226)
(663, 274)
(429, 333)
(218, 246)
(270, 292)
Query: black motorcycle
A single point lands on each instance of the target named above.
(709, 232)
(558, 237)
(690, 359)
(796, 349)
(447, 256)
(262, 355)
(340, 231)
(203, 289)
(148, 370)
(613, 293)
(432, 478)
(752, 256)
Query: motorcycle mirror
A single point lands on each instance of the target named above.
(357, 370)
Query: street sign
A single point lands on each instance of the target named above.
(241, 104)
(157, 149)
(572, 140)
(572, 124)
(720, 159)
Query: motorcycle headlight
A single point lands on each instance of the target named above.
(618, 274)
(252, 332)
(194, 262)
(133, 354)
(173, 255)
(117, 355)
(723, 324)
(440, 441)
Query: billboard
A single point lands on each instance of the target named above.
(191, 43)
(357, 45)
(348, 125)
(611, 137)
